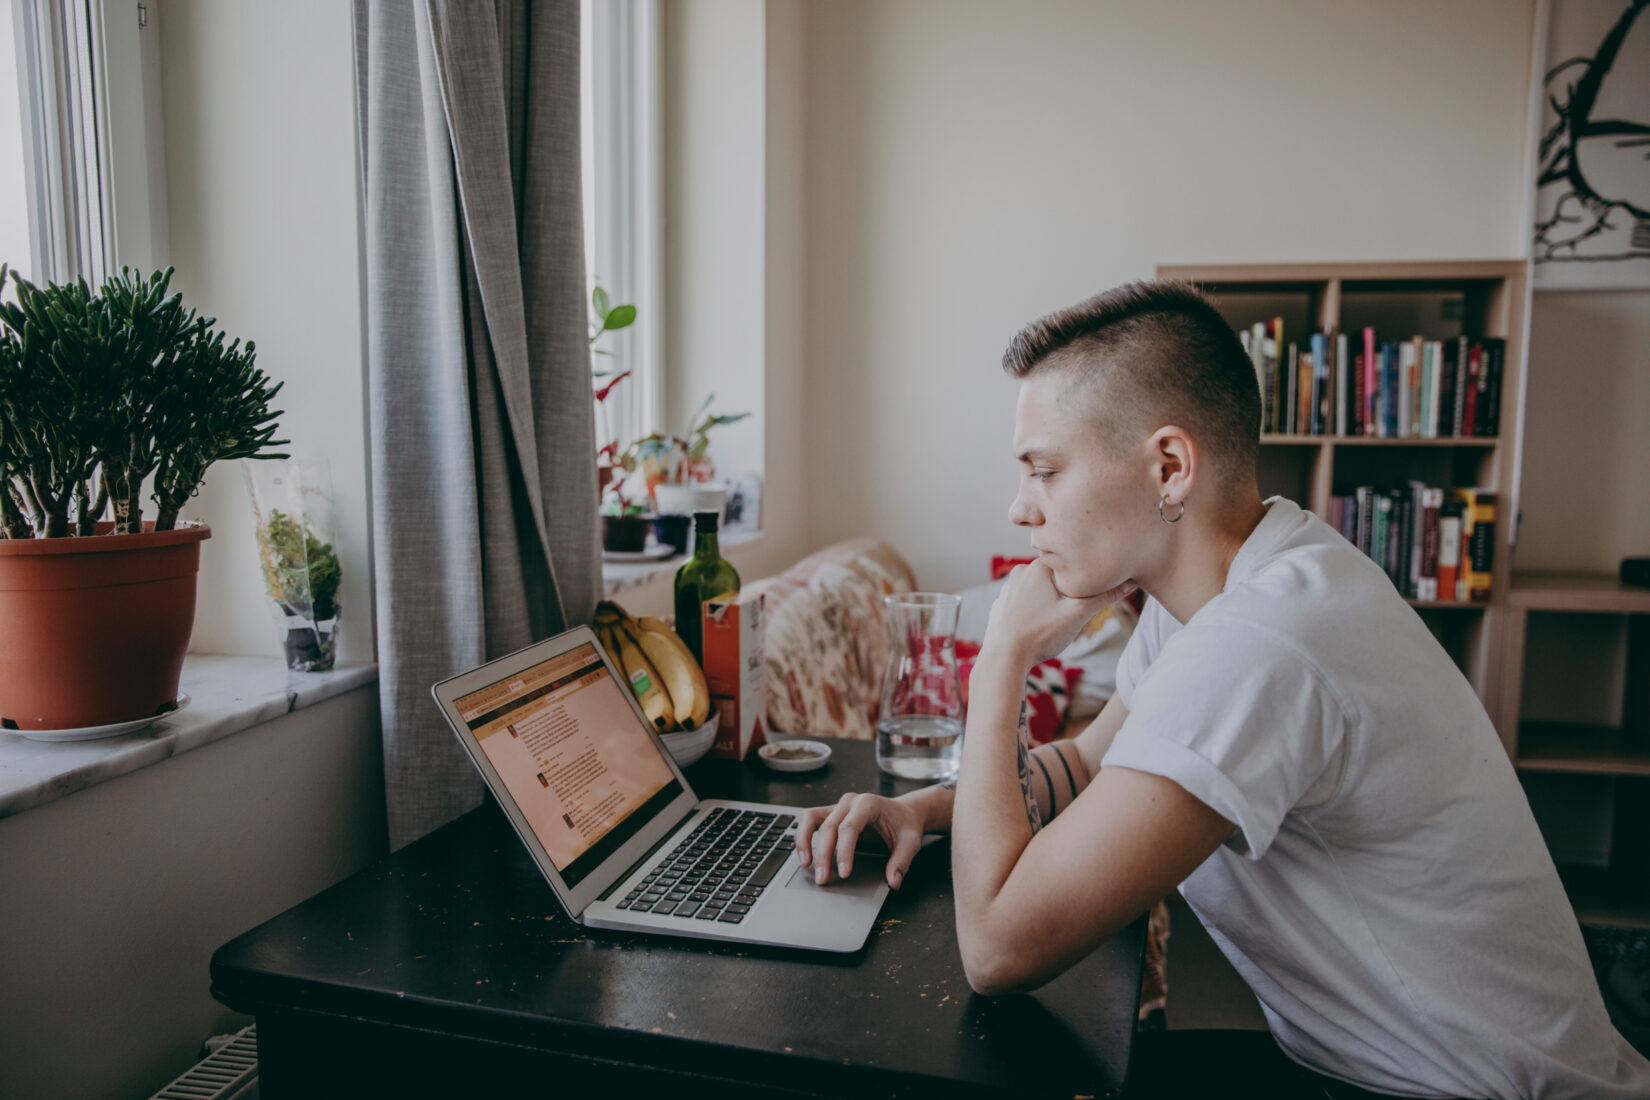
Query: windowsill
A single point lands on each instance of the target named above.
(619, 576)
(227, 695)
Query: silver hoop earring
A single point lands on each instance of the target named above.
(1181, 515)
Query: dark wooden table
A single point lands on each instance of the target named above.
(449, 969)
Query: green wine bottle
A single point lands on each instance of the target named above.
(702, 577)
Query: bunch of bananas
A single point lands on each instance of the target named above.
(668, 682)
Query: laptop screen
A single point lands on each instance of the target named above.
(573, 755)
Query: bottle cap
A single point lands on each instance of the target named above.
(706, 521)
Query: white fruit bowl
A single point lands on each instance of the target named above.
(687, 747)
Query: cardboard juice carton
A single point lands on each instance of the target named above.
(732, 636)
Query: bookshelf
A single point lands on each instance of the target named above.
(1440, 300)
(1617, 745)
(1585, 758)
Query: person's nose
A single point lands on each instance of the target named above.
(1021, 513)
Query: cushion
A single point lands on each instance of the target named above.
(1094, 653)
(1049, 688)
(827, 638)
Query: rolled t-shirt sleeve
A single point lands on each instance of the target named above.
(1241, 720)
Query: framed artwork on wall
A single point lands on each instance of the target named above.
(1592, 170)
(745, 503)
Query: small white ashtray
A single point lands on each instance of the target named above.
(794, 755)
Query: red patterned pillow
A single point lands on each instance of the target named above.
(1048, 690)
(1002, 566)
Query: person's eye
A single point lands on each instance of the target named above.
(1042, 475)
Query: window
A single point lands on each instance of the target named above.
(79, 108)
(15, 249)
(622, 197)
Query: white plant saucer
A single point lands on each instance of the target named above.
(92, 733)
(820, 753)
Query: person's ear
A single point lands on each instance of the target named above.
(1174, 457)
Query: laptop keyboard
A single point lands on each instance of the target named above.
(719, 870)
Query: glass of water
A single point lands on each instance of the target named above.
(920, 721)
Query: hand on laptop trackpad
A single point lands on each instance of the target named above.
(868, 876)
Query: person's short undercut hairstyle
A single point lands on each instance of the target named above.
(1147, 354)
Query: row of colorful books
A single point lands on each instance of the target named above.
(1416, 388)
(1435, 544)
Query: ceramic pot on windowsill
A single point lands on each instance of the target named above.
(687, 497)
(96, 626)
(114, 397)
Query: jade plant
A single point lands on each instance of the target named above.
(104, 392)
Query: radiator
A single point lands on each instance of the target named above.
(228, 1073)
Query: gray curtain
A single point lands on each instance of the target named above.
(482, 438)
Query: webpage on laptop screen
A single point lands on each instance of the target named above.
(573, 756)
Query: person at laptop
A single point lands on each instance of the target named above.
(1288, 745)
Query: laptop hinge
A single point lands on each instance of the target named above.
(645, 856)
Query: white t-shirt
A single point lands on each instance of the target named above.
(1386, 895)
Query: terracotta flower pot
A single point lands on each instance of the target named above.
(95, 627)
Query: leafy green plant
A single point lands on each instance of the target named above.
(101, 392)
(301, 575)
(677, 459)
(301, 572)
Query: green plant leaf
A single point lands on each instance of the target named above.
(619, 317)
(599, 301)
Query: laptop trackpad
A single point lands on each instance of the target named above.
(866, 880)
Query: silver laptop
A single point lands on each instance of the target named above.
(614, 826)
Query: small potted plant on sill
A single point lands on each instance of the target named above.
(625, 524)
(101, 394)
(679, 471)
(292, 509)
(625, 519)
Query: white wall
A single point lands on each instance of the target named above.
(1586, 450)
(713, 53)
(261, 197)
(115, 897)
(971, 165)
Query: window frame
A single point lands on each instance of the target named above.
(627, 142)
(96, 191)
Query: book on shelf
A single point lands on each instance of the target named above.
(1417, 530)
(1393, 389)
(1372, 383)
(1404, 387)
(1433, 544)
(1307, 369)
(1449, 549)
(1320, 361)
(1446, 387)
(1477, 543)
(1469, 399)
(1254, 343)
(1396, 560)
(1431, 352)
(1343, 386)
(1487, 412)
(1427, 578)
(1280, 387)
(1390, 387)
(1291, 369)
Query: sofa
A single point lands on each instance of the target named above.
(827, 643)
